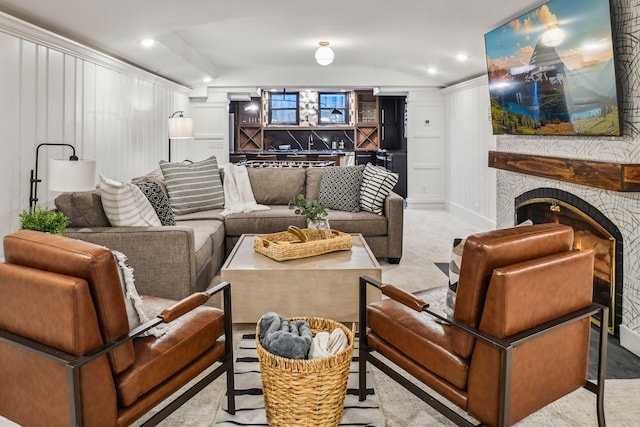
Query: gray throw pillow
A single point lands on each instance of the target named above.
(193, 187)
(340, 187)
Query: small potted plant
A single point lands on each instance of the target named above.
(315, 212)
(39, 219)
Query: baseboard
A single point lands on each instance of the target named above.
(424, 204)
(630, 340)
(473, 218)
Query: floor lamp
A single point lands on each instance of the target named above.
(179, 128)
(63, 175)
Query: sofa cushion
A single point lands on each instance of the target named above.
(125, 205)
(276, 186)
(277, 219)
(340, 187)
(84, 209)
(312, 187)
(365, 223)
(377, 183)
(204, 233)
(159, 201)
(193, 187)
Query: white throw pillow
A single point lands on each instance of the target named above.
(377, 183)
(126, 205)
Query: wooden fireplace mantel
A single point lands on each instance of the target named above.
(606, 175)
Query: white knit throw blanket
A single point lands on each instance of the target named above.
(238, 194)
(133, 302)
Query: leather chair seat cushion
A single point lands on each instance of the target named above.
(418, 336)
(157, 359)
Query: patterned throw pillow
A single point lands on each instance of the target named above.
(159, 200)
(454, 274)
(377, 183)
(193, 187)
(340, 187)
(125, 205)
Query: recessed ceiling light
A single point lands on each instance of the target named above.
(462, 57)
(147, 42)
(206, 79)
(431, 70)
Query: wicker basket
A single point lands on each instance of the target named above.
(285, 245)
(305, 392)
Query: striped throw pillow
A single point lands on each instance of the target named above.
(125, 205)
(377, 183)
(193, 187)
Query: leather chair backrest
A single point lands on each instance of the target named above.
(93, 263)
(522, 296)
(485, 252)
(57, 311)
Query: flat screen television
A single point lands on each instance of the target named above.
(552, 71)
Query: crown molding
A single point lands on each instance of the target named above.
(40, 36)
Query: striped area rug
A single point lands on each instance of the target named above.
(250, 403)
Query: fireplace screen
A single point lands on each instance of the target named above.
(588, 234)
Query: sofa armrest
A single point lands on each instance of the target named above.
(394, 211)
(162, 258)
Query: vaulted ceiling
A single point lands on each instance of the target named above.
(264, 43)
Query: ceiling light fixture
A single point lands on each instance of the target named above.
(206, 79)
(324, 54)
(147, 42)
(462, 57)
(431, 70)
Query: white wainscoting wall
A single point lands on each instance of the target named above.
(471, 192)
(57, 91)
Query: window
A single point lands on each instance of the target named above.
(333, 108)
(283, 108)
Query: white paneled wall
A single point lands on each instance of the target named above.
(471, 184)
(53, 90)
(426, 174)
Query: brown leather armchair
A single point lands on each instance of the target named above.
(518, 338)
(67, 356)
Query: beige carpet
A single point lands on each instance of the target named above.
(428, 237)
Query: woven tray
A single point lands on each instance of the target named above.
(286, 246)
(305, 392)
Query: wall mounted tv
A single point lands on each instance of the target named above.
(552, 72)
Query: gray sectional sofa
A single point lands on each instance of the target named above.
(175, 261)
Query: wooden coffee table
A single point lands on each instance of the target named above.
(319, 286)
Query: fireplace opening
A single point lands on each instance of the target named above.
(592, 230)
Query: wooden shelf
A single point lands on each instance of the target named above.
(249, 138)
(367, 138)
(624, 177)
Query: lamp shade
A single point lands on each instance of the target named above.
(71, 175)
(324, 54)
(180, 127)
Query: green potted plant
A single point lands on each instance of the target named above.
(315, 212)
(39, 219)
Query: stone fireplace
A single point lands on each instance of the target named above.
(593, 230)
